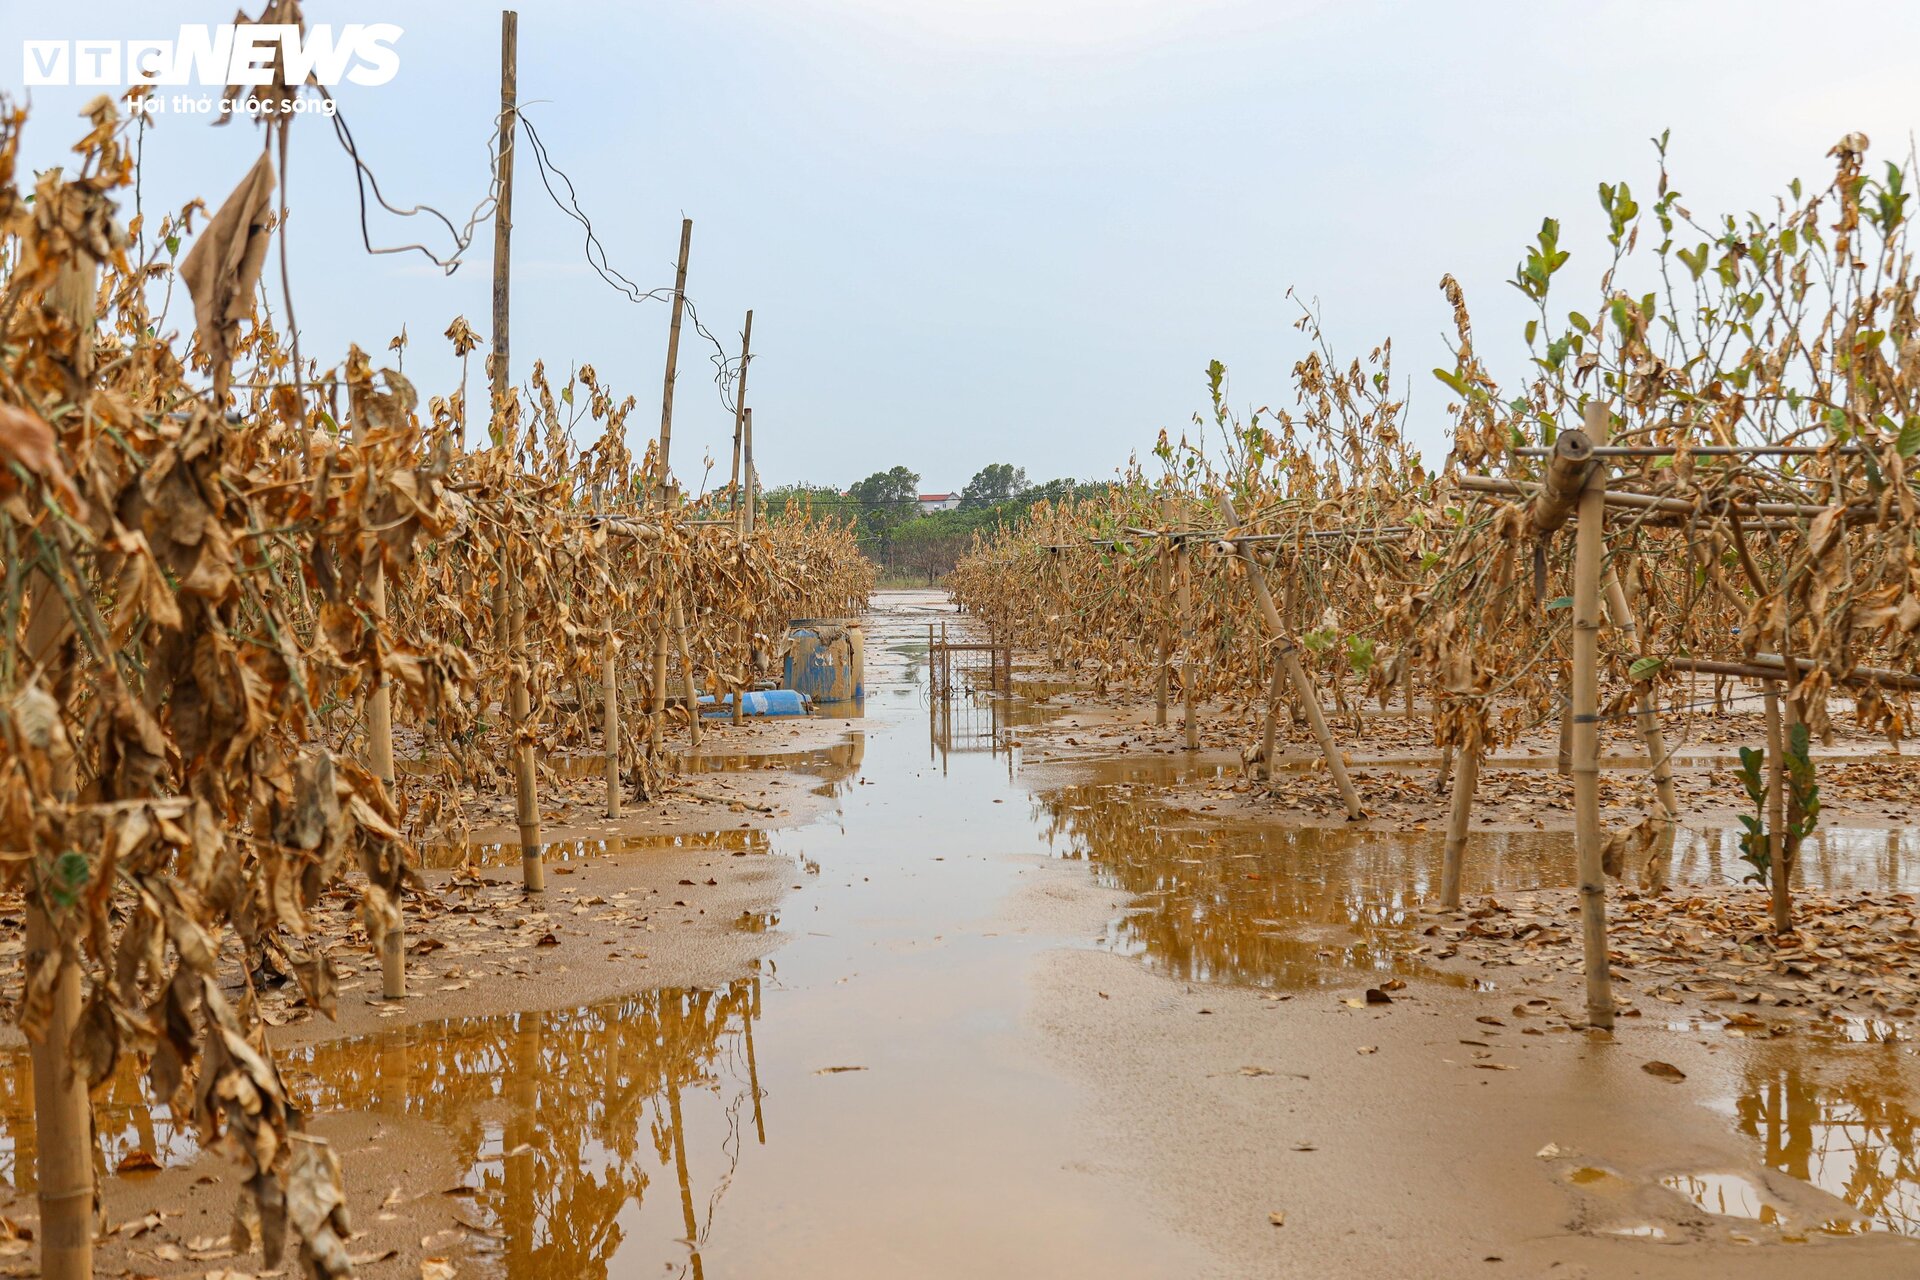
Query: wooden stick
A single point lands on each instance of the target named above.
(1466, 781)
(1588, 562)
(525, 785)
(1676, 506)
(393, 943)
(497, 359)
(661, 465)
(1769, 667)
(1667, 817)
(1777, 814)
(1183, 561)
(686, 671)
(610, 716)
(1268, 744)
(1567, 473)
(1302, 683)
(1163, 640)
(740, 410)
(509, 609)
(62, 1110)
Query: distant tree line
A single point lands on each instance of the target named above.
(906, 543)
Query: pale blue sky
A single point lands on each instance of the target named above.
(1016, 230)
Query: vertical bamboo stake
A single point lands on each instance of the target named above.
(1268, 745)
(610, 718)
(1161, 624)
(673, 355)
(62, 1110)
(1646, 713)
(1183, 556)
(1589, 557)
(1466, 780)
(686, 670)
(1302, 683)
(526, 802)
(62, 1115)
(740, 408)
(752, 479)
(739, 441)
(1777, 814)
(393, 944)
(526, 796)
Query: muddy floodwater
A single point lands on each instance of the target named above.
(895, 1091)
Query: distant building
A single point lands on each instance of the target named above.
(932, 502)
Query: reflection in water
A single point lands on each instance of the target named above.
(1267, 905)
(494, 854)
(1853, 1137)
(836, 767)
(125, 1118)
(1859, 859)
(560, 1121)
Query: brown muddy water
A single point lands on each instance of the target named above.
(874, 1100)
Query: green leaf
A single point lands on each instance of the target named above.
(1908, 442)
(173, 246)
(1643, 668)
(1452, 380)
(1560, 602)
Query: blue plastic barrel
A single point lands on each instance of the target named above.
(760, 702)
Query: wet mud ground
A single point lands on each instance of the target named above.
(959, 1011)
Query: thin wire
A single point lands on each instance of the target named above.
(596, 253)
(365, 178)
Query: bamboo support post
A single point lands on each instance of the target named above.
(1183, 557)
(509, 609)
(610, 716)
(62, 1110)
(687, 686)
(1589, 557)
(1466, 781)
(1646, 714)
(393, 943)
(1163, 641)
(740, 410)
(1302, 683)
(62, 1113)
(1268, 733)
(1777, 870)
(1567, 471)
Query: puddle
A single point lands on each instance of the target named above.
(1838, 1122)
(1727, 1194)
(1267, 905)
(873, 1095)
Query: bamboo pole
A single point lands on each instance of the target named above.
(752, 480)
(686, 671)
(1777, 814)
(610, 715)
(740, 408)
(1646, 714)
(506, 602)
(673, 356)
(1466, 781)
(393, 944)
(1268, 732)
(663, 470)
(1302, 683)
(62, 1111)
(1183, 562)
(525, 787)
(1164, 640)
(1572, 462)
(1589, 557)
